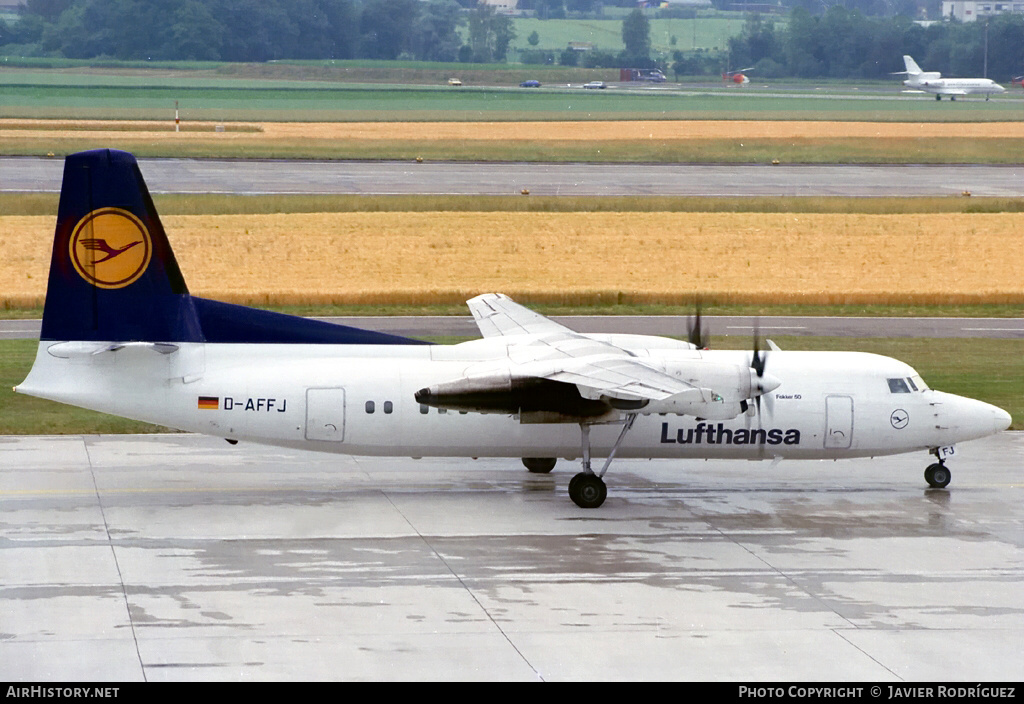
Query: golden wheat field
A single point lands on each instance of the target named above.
(570, 257)
(514, 131)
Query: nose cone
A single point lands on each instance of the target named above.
(969, 418)
(1002, 419)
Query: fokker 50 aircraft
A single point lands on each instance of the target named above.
(933, 82)
(121, 334)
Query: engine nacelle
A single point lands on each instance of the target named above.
(533, 399)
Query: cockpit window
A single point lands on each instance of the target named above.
(898, 386)
(910, 381)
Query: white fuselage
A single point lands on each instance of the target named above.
(359, 399)
(954, 86)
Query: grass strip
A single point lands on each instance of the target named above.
(722, 151)
(707, 307)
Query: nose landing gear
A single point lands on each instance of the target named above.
(937, 475)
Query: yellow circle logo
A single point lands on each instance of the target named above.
(110, 248)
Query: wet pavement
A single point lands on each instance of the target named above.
(178, 557)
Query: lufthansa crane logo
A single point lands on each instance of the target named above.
(110, 248)
(899, 419)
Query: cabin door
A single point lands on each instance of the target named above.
(325, 414)
(838, 422)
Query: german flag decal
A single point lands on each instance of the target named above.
(209, 403)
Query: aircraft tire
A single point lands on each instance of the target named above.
(539, 465)
(587, 490)
(937, 476)
(573, 482)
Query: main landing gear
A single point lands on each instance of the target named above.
(937, 475)
(587, 489)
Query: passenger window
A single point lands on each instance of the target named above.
(898, 386)
(369, 407)
(388, 407)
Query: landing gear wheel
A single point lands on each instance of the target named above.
(573, 482)
(937, 475)
(587, 490)
(539, 465)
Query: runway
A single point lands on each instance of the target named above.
(667, 325)
(177, 557)
(261, 177)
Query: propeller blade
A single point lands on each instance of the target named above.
(760, 358)
(696, 333)
(764, 382)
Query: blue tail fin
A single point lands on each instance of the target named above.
(113, 276)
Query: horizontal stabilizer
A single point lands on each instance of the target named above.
(81, 349)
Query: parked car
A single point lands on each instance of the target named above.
(530, 84)
(454, 82)
(595, 84)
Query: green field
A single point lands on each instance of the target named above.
(331, 95)
(989, 370)
(709, 33)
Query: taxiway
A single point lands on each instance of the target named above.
(668, 325)
(261, 177)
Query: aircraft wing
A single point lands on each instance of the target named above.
(557, 353)
(623, 378)
(952, 91)
(496, 314)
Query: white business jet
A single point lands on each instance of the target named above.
(121, 334)
(933, 82)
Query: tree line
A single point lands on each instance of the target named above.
(258, 30)
(843, 43)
